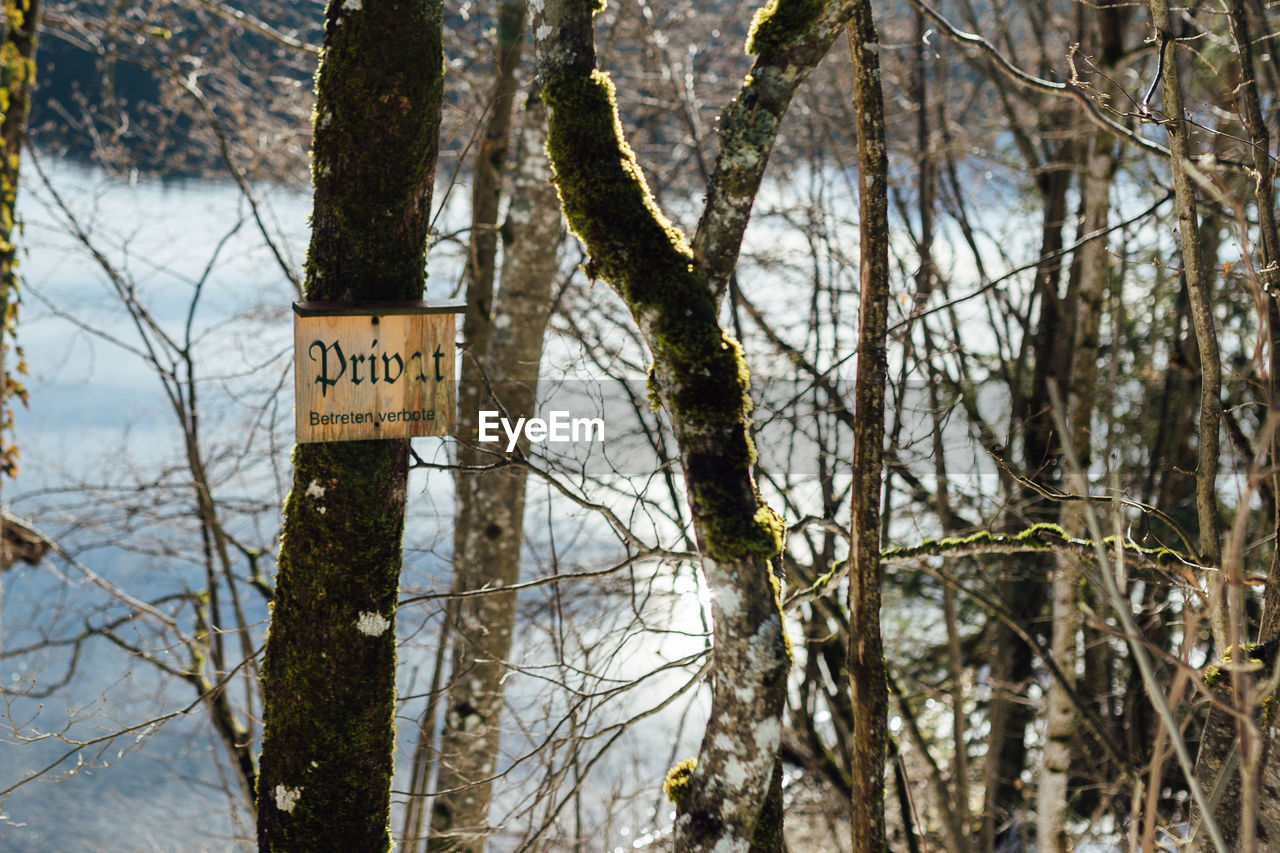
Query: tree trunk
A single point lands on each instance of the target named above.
(700, 378)
(1237, 762)
(18, 66)
(1024, 589)
(1061, 721)
(476, 763)
(1200, 301)
(1199, 290)
(730, 801)
(329, 667)
(867, 675)
(490, 555)
(486, 197)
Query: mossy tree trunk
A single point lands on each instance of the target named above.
(489, 555)
(17, 74)
(730, 800)
(329, 669)
(867, 675)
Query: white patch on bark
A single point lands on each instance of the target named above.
(760, 656)
(287, 798)
(728, 599)
(544, 32)
(315, 490)
(727, 844)
(352, 5)
(372, 624)
(768, 735)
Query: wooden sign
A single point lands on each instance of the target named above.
(373, 370)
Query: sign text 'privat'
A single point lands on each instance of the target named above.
(369, 371)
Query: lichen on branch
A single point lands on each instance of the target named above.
(1037, 537)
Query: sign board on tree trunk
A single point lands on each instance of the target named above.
(373, 370)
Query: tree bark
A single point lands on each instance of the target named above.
(490, 555)
(18, 66)
(329, 667)
(867, 675)
(1199, 290)
(1023, 586)
(729, 801)
(1269, 251)
(1237, 761)
(1061, 720)
(476, 762)
(700, 379)
(486, 197)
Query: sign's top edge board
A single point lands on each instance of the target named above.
(410, 306)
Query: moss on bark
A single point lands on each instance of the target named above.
(17, 75)
(676, 785)
(329, 667)
(700, 374)
(329, 673)
(781, 21)
(699, 377)
(376, 139)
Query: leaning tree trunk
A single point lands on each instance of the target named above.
(731, 799)
(490, 552)
(867, 674)
(1204, 823)
(329, 669)
(1238, 764)
(701, 380)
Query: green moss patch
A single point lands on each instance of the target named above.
(676, 785)
(700, 374)
(779, 22)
